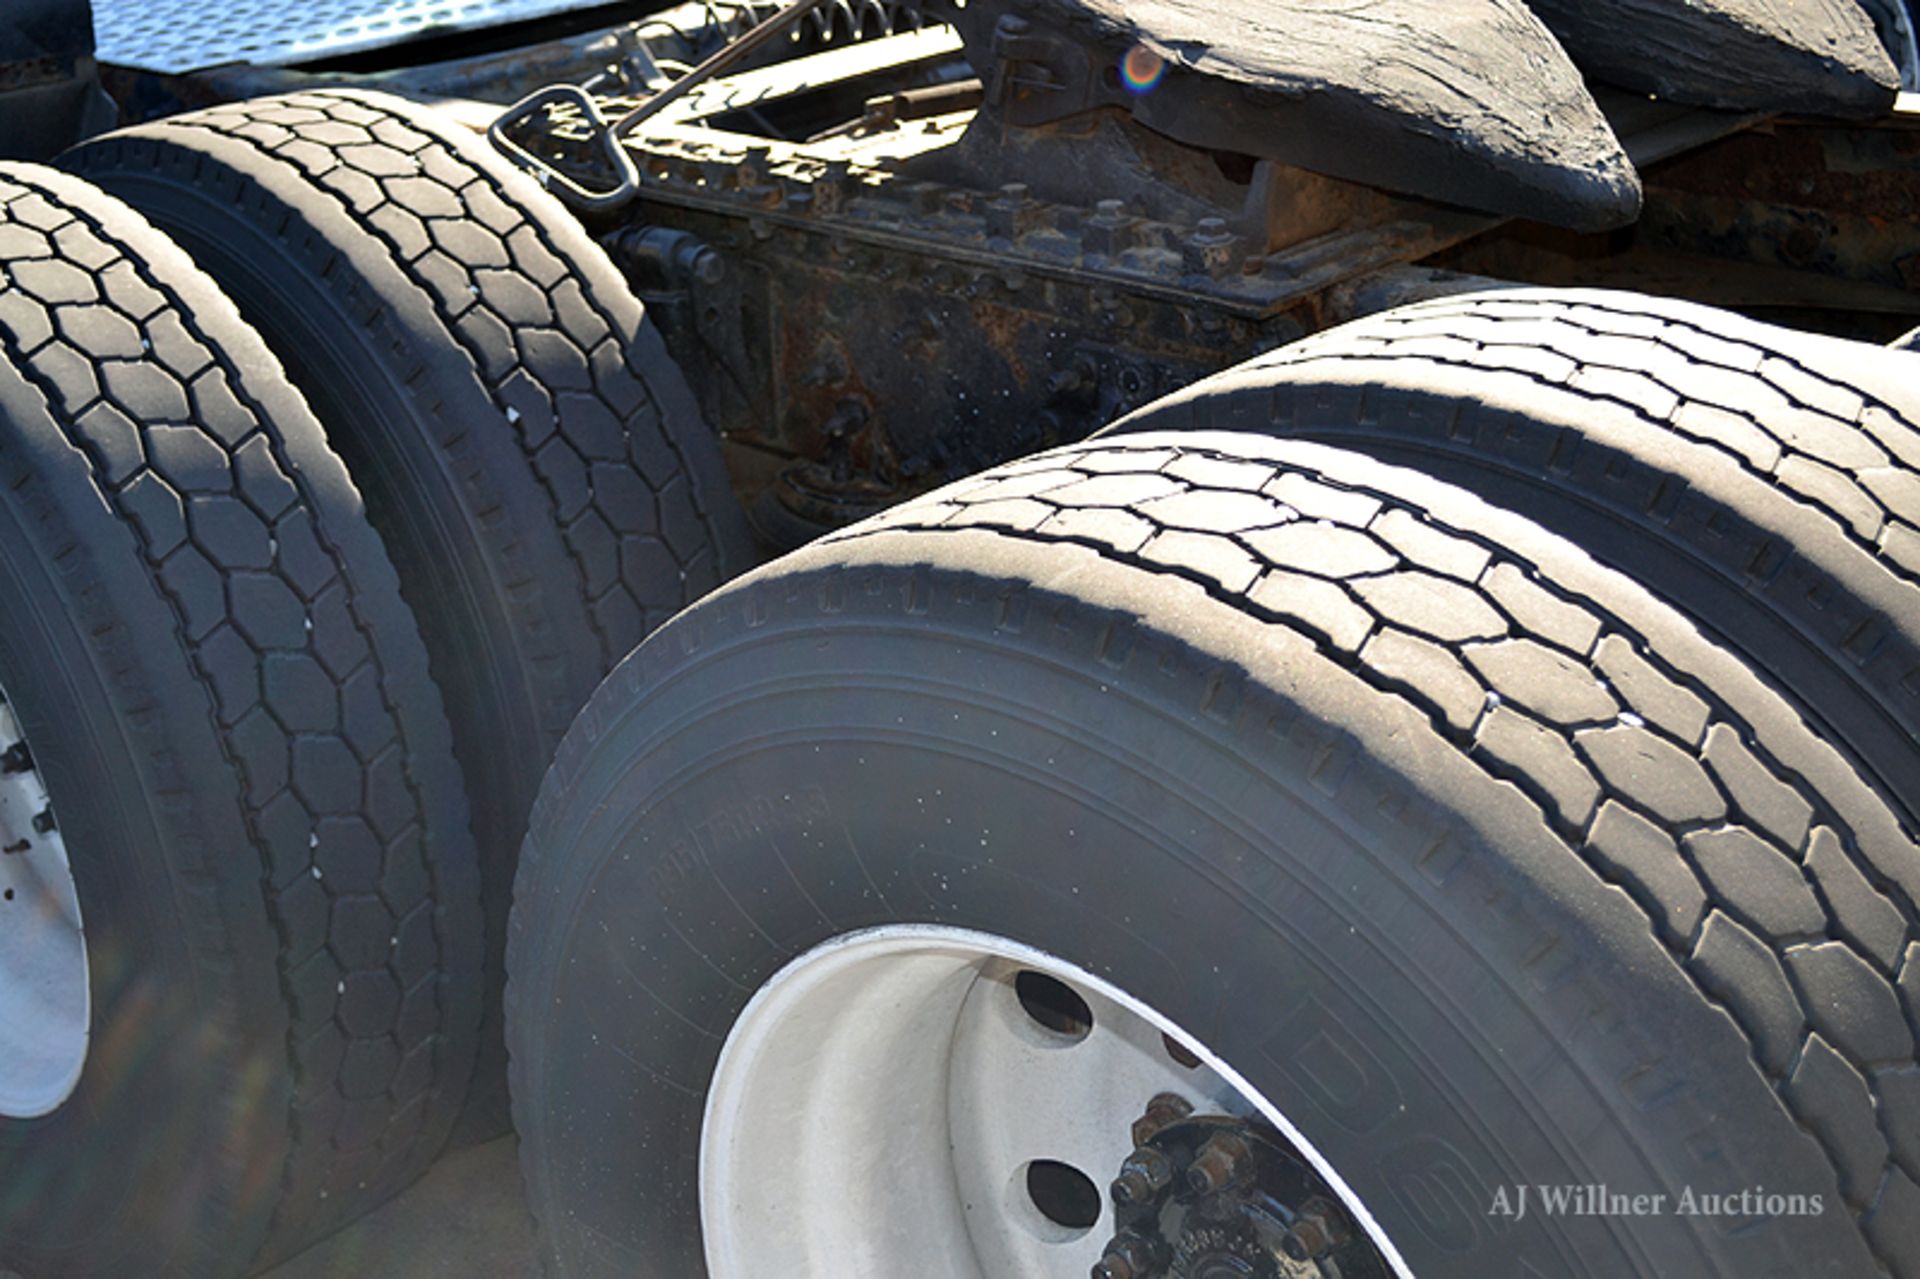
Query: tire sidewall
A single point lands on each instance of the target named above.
(1270, 921)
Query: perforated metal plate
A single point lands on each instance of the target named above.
(188, 35)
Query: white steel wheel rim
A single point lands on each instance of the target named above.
(45, 1000)
(876, 1107)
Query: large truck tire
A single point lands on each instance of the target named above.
(872, 900)
(534, 459)
(1765, 481)
(239, 928)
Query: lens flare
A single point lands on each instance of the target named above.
(1142, 69)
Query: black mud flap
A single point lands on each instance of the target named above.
(1471, 102)
(1819, 56)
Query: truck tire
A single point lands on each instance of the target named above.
(535, 461)
(1427, 835)
(1765, 481)
(273, 886)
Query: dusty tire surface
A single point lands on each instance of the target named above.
(534, 459)
(1480, 862)
(1765, 481)
(207, 648)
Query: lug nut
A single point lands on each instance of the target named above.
(16, 758)
(1316, 1231)
(1166, 1108)
(1128, 1256)
(1145, 1174)
(1218, 1164)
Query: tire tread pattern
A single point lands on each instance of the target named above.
(553, 343)
(318, 697)
(1796, 924)
(1622, 401)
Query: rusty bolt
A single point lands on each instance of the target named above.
(1011, 214)
(1127, 1256)
(1109, 230)
(830, 187)
(925, 197)
(1218, 1165)
(1316, 1231)
(1145, 1174)
(1801, 245)
(1164, 1109)
(1210, 250)
(1082, 374)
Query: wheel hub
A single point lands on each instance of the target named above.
(937, 1102)
(45, 1004)
(1220, 1197)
